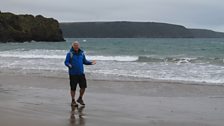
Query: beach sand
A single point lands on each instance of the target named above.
(45, 101)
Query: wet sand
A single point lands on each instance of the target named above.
(45, 101)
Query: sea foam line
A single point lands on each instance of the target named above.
(33, 55)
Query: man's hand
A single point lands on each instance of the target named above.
(69, 65)
(93, 62)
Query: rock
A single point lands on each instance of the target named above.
(21, 28)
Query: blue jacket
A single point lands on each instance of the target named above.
(74, 61)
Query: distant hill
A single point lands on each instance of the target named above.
(124, 29)
(20, 28)
(204, 33)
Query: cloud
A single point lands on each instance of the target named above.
(191, 13)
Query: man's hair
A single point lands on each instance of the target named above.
(75, 42)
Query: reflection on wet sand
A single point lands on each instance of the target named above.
(76, 118)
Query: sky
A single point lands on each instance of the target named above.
(206, 14)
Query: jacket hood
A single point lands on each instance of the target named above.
(73, 51)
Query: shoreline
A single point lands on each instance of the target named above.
(38, 100)
(111, 78)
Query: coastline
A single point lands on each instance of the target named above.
(40, 100)
(99, 77)
(196, 63)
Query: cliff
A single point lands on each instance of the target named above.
(125, 29)
(20, 28)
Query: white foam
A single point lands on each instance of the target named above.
(32, 56)
(185, 60)
(35, 60)
(114, 58)
(59, 54)
(36, 53)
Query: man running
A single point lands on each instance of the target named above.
(75, 59)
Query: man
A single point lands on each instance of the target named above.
(75, 59)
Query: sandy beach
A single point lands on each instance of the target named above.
(37, 100)
(147, 63)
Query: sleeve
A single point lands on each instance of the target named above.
(67, 61)
(85, 61)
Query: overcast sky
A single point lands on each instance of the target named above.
(190, 13)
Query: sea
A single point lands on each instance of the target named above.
(194, 60)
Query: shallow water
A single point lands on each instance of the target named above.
(198, 60)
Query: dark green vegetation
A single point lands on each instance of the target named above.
(20, 28)
(133, 30)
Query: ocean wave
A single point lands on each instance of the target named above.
(35, 53)
(180, 60)
(103, 58)
(114, 58)
(60, 54)
(127, 66)
(33, 56)
(166, 59)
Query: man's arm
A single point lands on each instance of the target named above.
(87, 62)
(67, 61)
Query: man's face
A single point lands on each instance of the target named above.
(75, 46)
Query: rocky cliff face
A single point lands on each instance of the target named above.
(20, 28)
